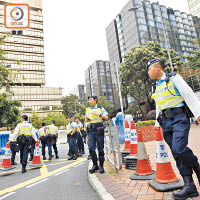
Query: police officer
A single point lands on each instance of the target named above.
(52, 132)
(175, 101)
(25, 132)
(84, 133)
(71, 129)
(95, 128)
(43, 138)
(79, 136)
(84, 129)
(12, 147)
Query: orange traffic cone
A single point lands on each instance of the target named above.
(126, 150)
(127, 136)
(131, 160)
(166, 178)
(36, 162)
(143, 170)
(6, 163)
(133, 145)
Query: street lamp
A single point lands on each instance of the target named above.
(119, 91)
(164, 31)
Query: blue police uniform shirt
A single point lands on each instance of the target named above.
(79, 125)
(73, 125)
(103, 111)
(176, 90)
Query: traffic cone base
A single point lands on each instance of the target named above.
(162, 187)
(145, 177)
(6, 163)
(124, 153)
(130, 162)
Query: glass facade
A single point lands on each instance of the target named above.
(98, 80)
(194, 6)
(146, 24)
(28, 48)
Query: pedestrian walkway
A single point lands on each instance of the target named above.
(121, 187)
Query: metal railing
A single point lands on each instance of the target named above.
(112, 147)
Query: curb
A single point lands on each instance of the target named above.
(98, 186)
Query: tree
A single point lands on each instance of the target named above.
(35, 120)
(58, 117)
(105, 104)
(194, 61)
(134, 73)
(9, 112)
(71, 105)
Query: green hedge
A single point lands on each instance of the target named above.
(145, 123)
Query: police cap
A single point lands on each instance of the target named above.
(155, 60)
(12, 128)
(94, 97)
(68, 116)
(53, 121)
(43, 124)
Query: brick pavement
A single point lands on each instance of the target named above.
(123, 188)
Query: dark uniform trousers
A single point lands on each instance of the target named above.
(175, 132)
(51, 141)
(12, 148)
(80, 143)
(96, 141)
(73, 147)
(23, 147)
(32, 148)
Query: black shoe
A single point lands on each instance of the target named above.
(50, 157)
(101, 170)
(70, 158)
(13, 163)
(57, 156)
(189, 190)
(93, 169)
(75, 157)
(24, 169)
(196, 169)
(31, 158)
(89, 157)
(44, 158)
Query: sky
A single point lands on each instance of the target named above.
(74, 36)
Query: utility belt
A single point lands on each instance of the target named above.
(171, 112)
(24, 139)
(98, 128)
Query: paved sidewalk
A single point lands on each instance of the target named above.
(121, 187)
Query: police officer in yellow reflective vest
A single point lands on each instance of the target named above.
(95, 128)
(71, 129)
(25, 132)
(52, 132)
(175, 104)
(43, 138)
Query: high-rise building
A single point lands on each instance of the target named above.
(129, 29)
(79, 91)
(28, 48)
(98, 80)
(194, 6)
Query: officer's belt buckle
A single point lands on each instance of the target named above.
(168, 113)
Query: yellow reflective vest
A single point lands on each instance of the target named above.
(163, 98)
(94, 118)
(42, 131)
(52, 129)
(69, 129)
(25, 128)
